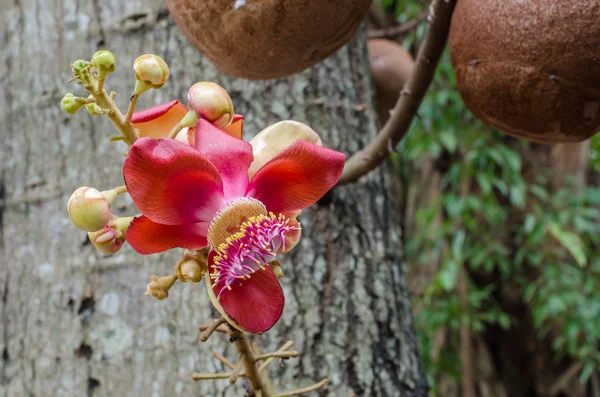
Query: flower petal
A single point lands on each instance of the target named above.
(277, 137)
(148, 237)
(230, 155)
(236, 128)
(171, 183)
(297, 177)
(159, 121)
(255, 305)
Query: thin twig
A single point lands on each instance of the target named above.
(222, 359)
(398, 30)
(210, 376)
(562, 382)
(308, 389)
(289, 354)
(211, 328)
(410, 98)
(221, 328)
(283, 348)
(236, 370)
(249, 361)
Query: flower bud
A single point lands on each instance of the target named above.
(159, 287)
(107, 240)
(151, 70)
(212, 103)
(78, 65)
(93, 109)
(104, 62)
(88, 209)
(190, 269)
(70, 103)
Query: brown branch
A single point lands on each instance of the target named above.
(237, 369)
(210, 376)
(398, 30)
(208, 331)
(252, 373)
(289, 354)
(283, 348)
(304, 390)
(410, 98)
(222, 359)
(562, 382)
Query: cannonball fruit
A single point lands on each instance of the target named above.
(264, 39)
(530, 68)
(391, 66)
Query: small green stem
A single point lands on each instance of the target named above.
(178, 127)
(105, 101)
(131, 108)
(100, 86)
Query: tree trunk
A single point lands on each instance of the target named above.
(76, 323)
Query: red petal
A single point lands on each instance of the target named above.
(231, 156)
(171, 183)
(255, 305)
(236, 128)
(159, 121)
(147, 237)
(297, 177)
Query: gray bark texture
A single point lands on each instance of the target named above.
(76, 323)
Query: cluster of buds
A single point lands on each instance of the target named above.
(89, 210)
(231, 204)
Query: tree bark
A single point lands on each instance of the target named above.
(75, 323)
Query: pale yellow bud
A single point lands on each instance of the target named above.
(88, 209)
(212, 103)
(151, 70)
(159, 287)
(190, 269)
(107, 241)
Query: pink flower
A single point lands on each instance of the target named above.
(194, 196)
(159, 121)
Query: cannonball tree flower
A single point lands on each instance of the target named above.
(201, 195)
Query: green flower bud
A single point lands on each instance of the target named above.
(88, 209)
(212, 103)
(93, 109)
(152, 70)
(79, 64)
(70, 103)
(104, 62)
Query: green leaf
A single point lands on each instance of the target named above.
(588, 370)
(448, 275)
(571, 242)
(457, 246)
(485, 182)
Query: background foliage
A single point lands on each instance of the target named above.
(502, 226)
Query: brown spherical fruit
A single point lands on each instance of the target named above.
(264, 39)
(530, 68)
(391, 66)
